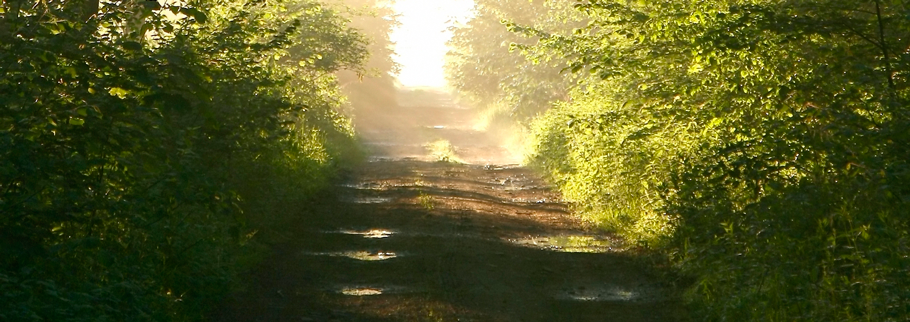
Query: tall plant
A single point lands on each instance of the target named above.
(761, 144)
(131, 135)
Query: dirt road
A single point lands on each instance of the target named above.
(417, 240)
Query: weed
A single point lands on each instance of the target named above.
(443, 151)
(426, 200)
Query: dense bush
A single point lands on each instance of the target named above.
(610, 158)
(763, 146)
(141, 147)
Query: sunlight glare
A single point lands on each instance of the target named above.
(361, 255)
(420, 40)
(361, 291)
(371, 234)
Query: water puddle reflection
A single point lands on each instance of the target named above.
(534, 201)
(567, 243)
(363, 186)
(368, 200)
(364, 291)
(361, 255)
(599, 294)
(368, 290)
(375, 158)
(371, 234)
(515, 187)
(493, 167)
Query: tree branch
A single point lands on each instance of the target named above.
(884, 45)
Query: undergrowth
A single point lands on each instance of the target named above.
(144, 149)
(443, 151)
(760, 147)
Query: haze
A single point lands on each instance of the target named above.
(421, 38)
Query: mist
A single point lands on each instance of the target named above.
(402, 107)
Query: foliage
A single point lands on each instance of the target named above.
(372, 90)
(443, 151)
(426, 200)
(142, 146)
(483, 67)
(610, 158)
(761, 145)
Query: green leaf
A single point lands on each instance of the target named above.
(132, 45)
(199, 16)
(119, 92)
(151, 4)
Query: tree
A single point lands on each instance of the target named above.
(372, 90)
(760, 144)
(137, 164)
(483, 67)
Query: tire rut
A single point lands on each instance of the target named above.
(409, 239)
(456, 255)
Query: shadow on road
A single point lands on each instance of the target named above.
(429, 241)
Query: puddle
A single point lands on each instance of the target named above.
(599, 294)
(379, 159)
(380, 233)
(368, 290)
(372, 233)
(363, 186)
(361, 255)
(534, 201)
(495, 167)
(515, 187)
(567, 243)
(367, 200)
(361, 291)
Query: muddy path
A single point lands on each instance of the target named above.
(410, 239)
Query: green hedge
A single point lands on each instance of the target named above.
(762, 146)
(142, 147)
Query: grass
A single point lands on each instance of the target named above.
(443, 151)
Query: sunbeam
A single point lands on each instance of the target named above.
(421, 38)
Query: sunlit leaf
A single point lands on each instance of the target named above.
(119, 92)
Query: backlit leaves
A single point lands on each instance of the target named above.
(139, 150)
(723, 133)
